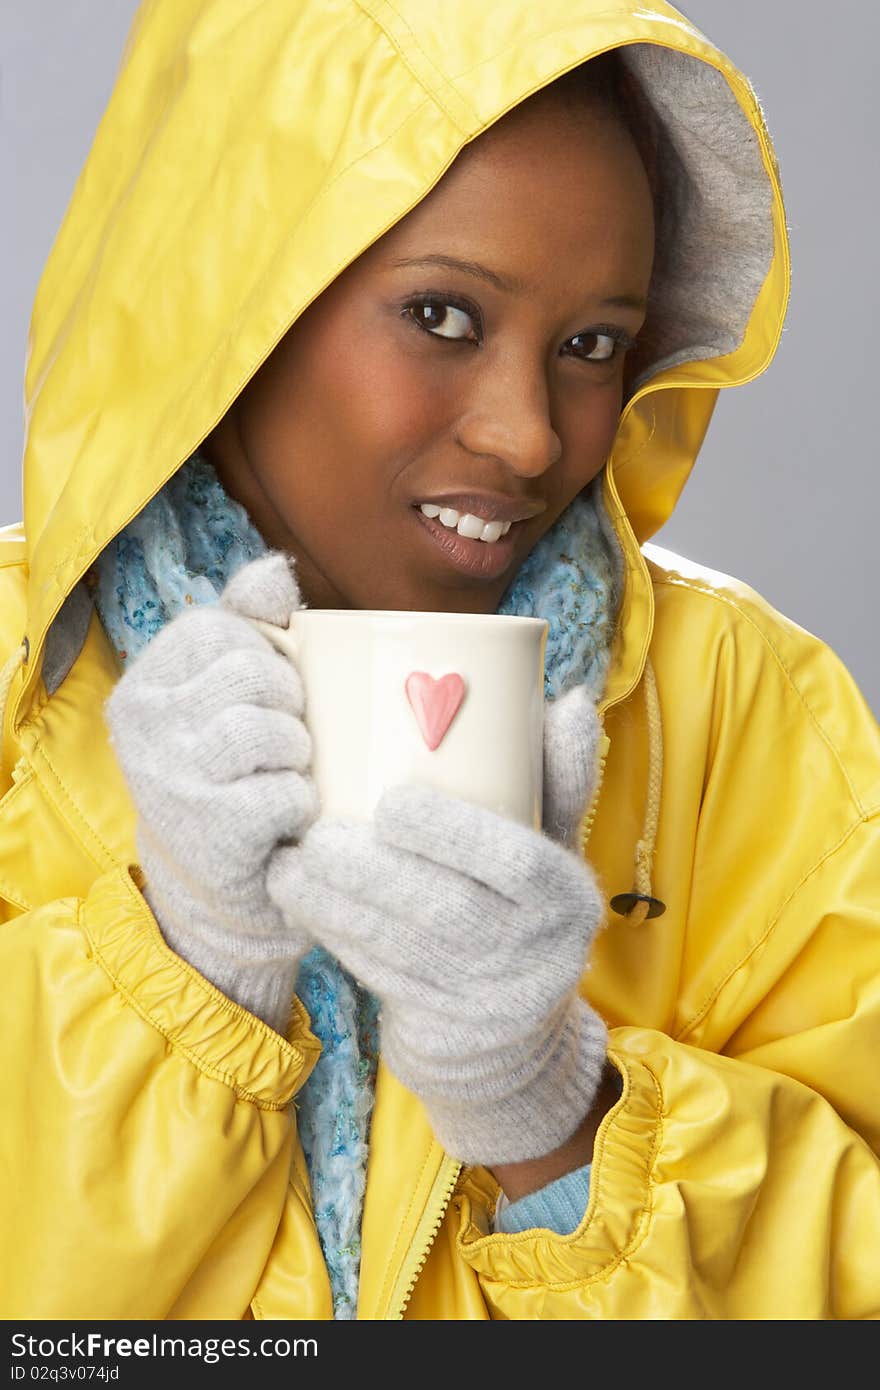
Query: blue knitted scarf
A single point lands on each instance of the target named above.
(181, 549)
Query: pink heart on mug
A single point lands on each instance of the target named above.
(434, 703)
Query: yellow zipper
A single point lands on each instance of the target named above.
(425, 1234)
(585, 828)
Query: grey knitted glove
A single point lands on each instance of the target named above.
(572, 732)
(207, 729)
(473, 933)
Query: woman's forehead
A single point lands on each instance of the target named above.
(544, 175)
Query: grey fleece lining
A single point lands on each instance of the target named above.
(715, 216)
(714, 245)
(65, 637)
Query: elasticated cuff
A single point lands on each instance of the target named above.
(217, 1034)
(559, 1206)
(258, 972)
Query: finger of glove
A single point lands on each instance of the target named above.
(356, 934)
(366, 944)
(144, 707)
(572, 730)
(221, 833)
(258, 677)
(193, 643)
(466, 944)
(429, 937)
(265, 589)
(513, 860)
(241, 739)
(437, 920)
(173, 748)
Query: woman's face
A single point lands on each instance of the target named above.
(421, 404)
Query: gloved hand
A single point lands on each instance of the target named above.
(206, 724)
(572, 733)
(473, 933)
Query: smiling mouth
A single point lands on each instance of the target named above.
(482, 559)
(467, 524)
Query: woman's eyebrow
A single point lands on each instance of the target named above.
(501, 282)
(507, 283)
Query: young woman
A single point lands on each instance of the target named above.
(354, 309)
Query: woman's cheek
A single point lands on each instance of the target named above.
(386, 396)
(590, 434)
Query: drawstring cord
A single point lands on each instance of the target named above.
(7, 675)
(638, 904)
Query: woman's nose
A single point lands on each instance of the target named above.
(508, 416)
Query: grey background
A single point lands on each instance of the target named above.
(785, 494)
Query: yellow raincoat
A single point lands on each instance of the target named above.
(151, 1167)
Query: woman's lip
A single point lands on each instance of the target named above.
(489, 506)
(485, 559)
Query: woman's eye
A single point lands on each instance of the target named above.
(444, 319)
(441, 319)
(598, 347)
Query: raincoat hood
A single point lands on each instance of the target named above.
(217, 202)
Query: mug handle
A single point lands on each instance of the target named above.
(283, 639)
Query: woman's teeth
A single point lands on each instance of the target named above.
(474, 528)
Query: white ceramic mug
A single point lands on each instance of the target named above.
(447, 700)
